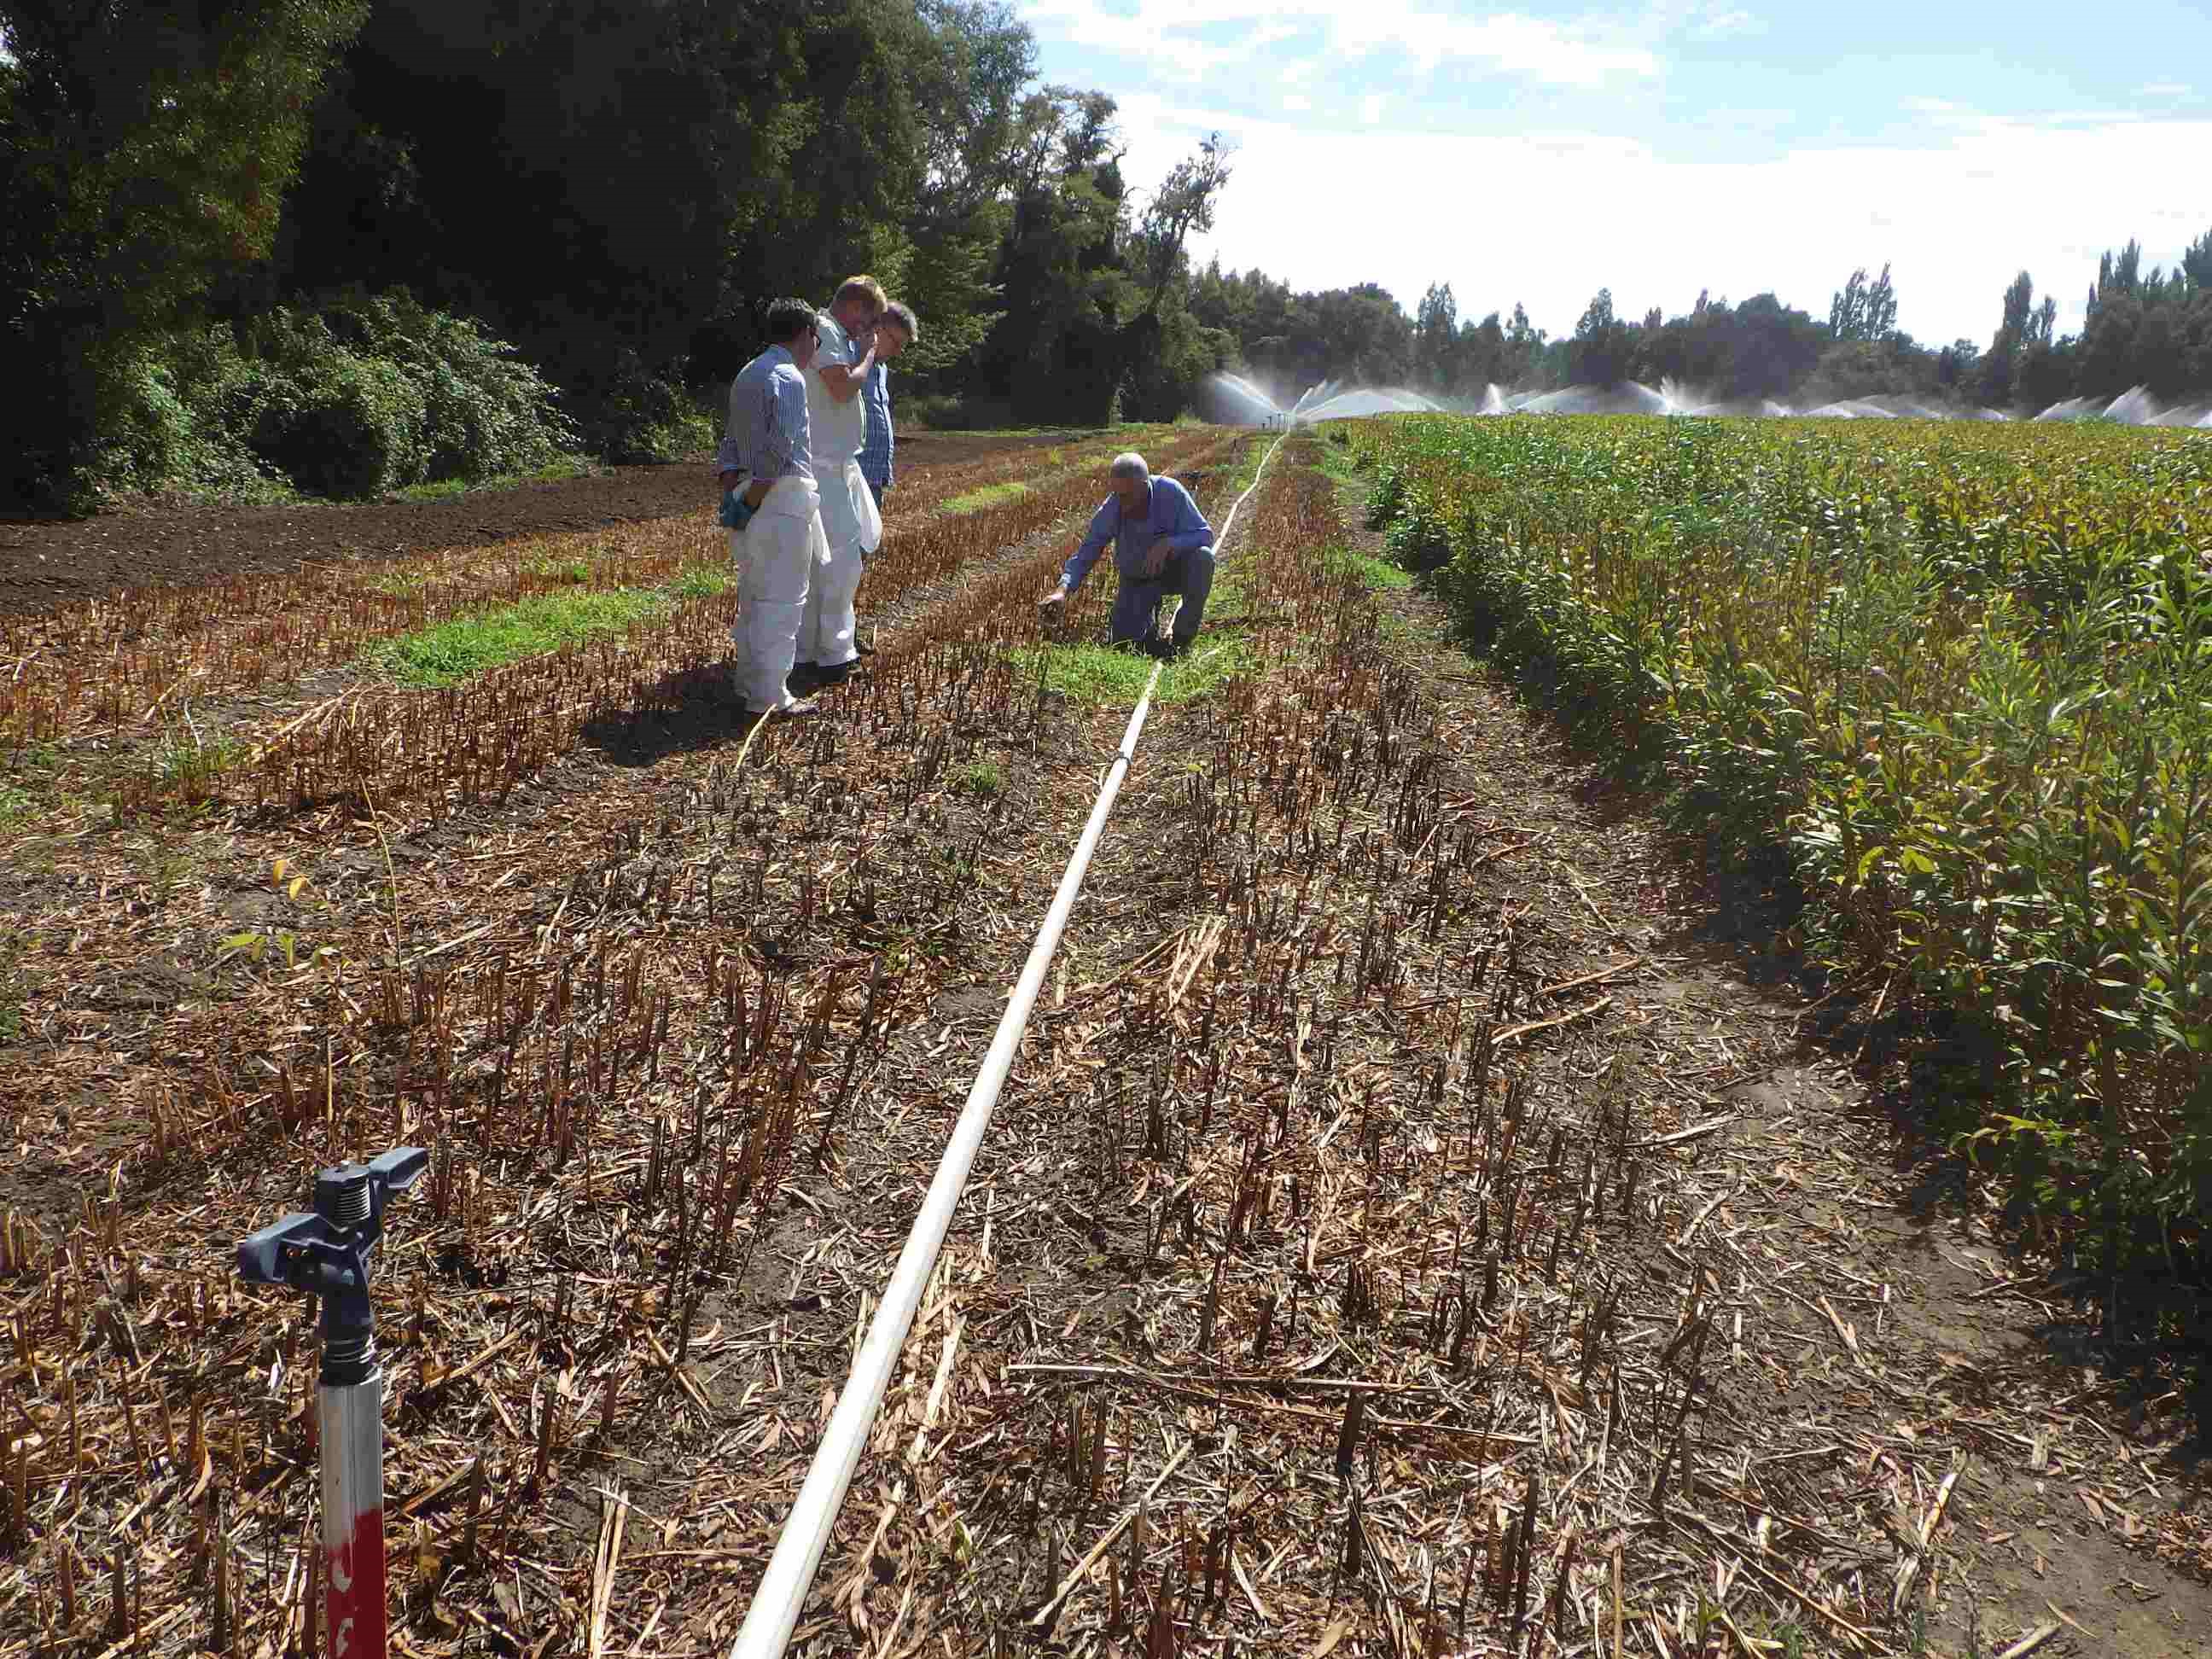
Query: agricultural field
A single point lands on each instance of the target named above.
(1395, 1236)
(1959, 679)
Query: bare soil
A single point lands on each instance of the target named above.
(47, 562)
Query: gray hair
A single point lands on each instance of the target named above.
(1129, 465)
(901, 313)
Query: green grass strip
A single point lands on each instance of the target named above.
(457, 650)
(988, 495)
(1247, 470)
(1110, 678)
(1369, 571)
(446, 490)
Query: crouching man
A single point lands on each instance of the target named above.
(773, 510)
(1161, 545)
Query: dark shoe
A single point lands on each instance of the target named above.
(804, 678)
(839, 673)
(798, 710)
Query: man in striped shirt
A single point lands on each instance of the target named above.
(770, 501)
(895, 332)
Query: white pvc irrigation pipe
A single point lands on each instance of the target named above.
(783, 1588)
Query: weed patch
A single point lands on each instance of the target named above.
(988, 495)
(446, 490)
(982, 778)
(704, 581)
(1113, 677)
(1367, 570)
(460, 649)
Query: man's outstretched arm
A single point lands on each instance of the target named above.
(1104, 523)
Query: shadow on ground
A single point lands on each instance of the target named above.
(1929, 1078)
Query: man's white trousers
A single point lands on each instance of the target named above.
(780, 557)
(854, 529)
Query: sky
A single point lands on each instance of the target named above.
(1540, 153)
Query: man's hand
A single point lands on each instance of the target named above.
(1051, 604)
(1156, 560)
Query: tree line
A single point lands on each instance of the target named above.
(2151, 330)
(339, 244)
(615, 190)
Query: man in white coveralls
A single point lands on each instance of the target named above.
(1161, 545)
(837, 416)
(773, 510)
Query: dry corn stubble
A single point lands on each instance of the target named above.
(622, 1072)
(1416, 1300)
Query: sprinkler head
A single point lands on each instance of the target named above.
(327, 1253)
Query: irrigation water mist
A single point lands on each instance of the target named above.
(1236, 401)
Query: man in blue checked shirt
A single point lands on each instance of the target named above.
(895, 332)
(774, 510)
(1161, 545)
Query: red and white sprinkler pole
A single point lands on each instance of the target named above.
(328, 1254)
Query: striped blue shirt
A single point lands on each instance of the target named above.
(766, 436)
(877, 449)
(1168, 512)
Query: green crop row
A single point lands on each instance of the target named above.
(1963, 674)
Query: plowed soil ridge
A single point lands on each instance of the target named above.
(44, 563)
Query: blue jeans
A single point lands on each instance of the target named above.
(1136, 607)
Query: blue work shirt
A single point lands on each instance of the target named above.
(766, 436)
(1170, 512)
(879, 447)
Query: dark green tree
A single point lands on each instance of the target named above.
(1863, 310)
(1603, 351)
(144, 151)
(1436, 339)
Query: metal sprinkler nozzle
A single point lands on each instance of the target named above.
(328, 1253)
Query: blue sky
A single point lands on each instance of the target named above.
(1538, 153)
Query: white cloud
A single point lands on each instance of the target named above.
(1583, 54)
(1530, 47)
(2164, 90)
(1295, 102)
(1719, 25)
(1549, 217)
(1370, 109)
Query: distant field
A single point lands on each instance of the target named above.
(1962, 673)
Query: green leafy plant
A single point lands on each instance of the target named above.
(1961, 675)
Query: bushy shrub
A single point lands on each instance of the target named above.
(486, 412)
(630, 416)
(362, 394)
(337, 424)
(157, 438)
